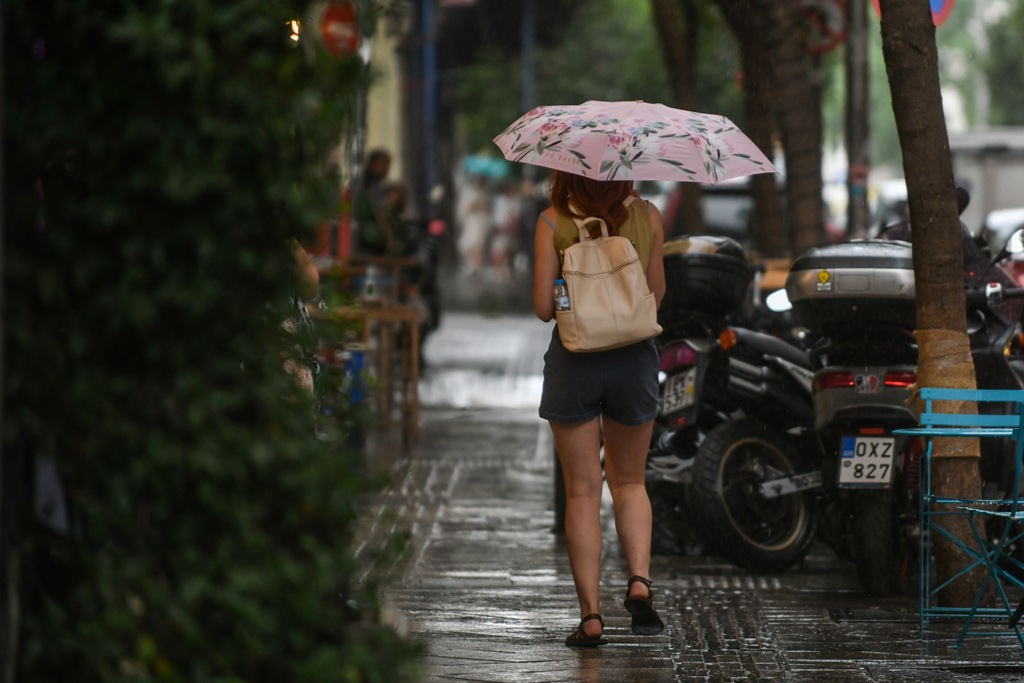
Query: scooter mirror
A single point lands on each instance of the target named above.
(1015, 245)
(778, 301)
(975, 321)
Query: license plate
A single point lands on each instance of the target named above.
(866, 460)
(680, 392)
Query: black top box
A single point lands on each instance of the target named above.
(706, 273)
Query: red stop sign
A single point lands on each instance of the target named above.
(339, 29)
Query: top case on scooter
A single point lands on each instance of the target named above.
(862, 284)
(705, 273)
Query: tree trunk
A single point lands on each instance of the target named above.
(751, 28)
(769, 225)
(944, 358)
(678, 28)
(798, 94)
(771, 31)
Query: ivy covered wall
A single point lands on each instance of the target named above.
(158, 156)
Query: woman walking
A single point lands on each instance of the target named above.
(608, 394)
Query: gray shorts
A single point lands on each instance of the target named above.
(621, 384)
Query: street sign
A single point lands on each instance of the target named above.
(339, 29)
(827, 22)
(940, 10)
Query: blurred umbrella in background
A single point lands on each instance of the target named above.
(487, 166)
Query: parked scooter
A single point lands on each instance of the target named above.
(707, 279)
(754, 481)
(858, 301)
(713, 373)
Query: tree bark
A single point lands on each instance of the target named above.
(750, 28)
(944, 358)
(771, 30)
(678, 28)
(769, 228)
(798, 93)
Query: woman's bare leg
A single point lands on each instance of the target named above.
(579, 451)
(625, 458)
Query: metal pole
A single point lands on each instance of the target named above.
(857, 118)
(429, 100)
(529, 42)
(9, 574)
(528, 49)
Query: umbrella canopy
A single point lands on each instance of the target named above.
(633, 141)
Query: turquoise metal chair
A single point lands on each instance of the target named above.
(985, 550)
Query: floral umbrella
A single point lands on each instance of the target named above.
(633, 141)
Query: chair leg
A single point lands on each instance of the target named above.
(969, 619)
(1017, 614)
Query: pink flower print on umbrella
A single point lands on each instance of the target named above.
(632, 141)
(623, 150)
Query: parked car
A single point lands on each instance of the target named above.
(727, 208)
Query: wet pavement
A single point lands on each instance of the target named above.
(485, 583)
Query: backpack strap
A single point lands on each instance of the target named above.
(584, 233)
(581, 222)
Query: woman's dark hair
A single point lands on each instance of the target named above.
(598, 198)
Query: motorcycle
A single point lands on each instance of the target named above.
(865, 356)
(706, 281)
(858, 301)
(714, 372)
(753, 480)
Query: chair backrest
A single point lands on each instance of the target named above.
(1009, 424)
(931, 417)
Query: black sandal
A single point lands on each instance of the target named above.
(646, 621)
(579, 637)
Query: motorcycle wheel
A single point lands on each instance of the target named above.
(762, 535)
(875, 543)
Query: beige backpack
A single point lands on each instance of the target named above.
(610, 304)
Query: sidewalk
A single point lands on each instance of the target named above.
(486, 584)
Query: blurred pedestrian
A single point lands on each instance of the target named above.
(406, 232)
(506, 206)
(606, 395)
(474, 218)
(370, 209)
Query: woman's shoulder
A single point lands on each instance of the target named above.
(549, 216)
